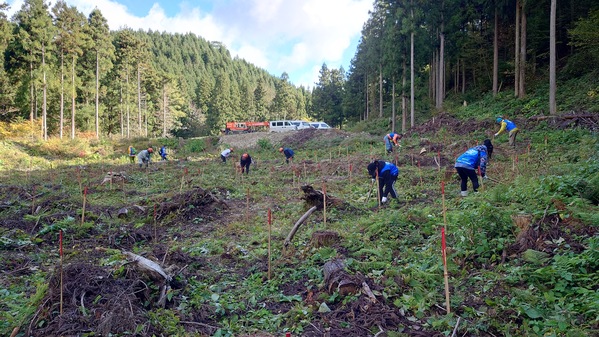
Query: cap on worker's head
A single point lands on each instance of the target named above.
(280, 149)
(150, 150)
(498, 120)
(372, 167)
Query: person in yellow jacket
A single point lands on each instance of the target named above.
(511, 128)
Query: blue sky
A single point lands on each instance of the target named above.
(293, 36)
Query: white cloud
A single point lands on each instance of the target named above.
(293, 36)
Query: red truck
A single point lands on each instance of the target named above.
(245, 127)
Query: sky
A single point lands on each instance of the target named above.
(292, 36)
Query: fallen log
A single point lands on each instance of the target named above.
(297, 225)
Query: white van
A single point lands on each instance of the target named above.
(301, 125)
(281, 126)
(320, 125)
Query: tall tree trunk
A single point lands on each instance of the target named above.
(31, 91)
(164, 110)
(44, 95)
(441, 67)
(61, 94)
(393, 107)
(496, 53)
(522, 76)
(380, 90)
(121, 111)
(73, 97)
(139, 99)
(411, 70)
(552, 57)
(517, 51)
(404, 103)
(127, 101)
(367, 99)
(464, 79)
(97, 96)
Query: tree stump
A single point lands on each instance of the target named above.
(324, 238)
(337, 279)
(315, 198)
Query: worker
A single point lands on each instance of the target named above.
(288, 154)
(225, 154)
(245, 162)
(162, 152)
(469, 162)
(392, 139)
(511, 128)
(387, 173)
(132, 152)
(143, 157)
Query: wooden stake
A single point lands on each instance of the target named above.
(443, 203)
(324, 203)
(155, 230)
(350, 169)
(247, 206)
(445, 274)
(33, 201)
(439, 156)
(83, 209)
(305, 175)
(378, 189)
(269, 236)
(60, 253)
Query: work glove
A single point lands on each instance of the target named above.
(372, 180)
(495, 135)
(384, 200)
(485, 177)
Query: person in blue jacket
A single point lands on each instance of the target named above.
(510, 127)
(162, 152)
(288, 154)
(387, 173)
(390, 140)
(469, 162)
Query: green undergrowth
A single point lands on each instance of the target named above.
(548, 290)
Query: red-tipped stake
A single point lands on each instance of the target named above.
(83, 209)
(155, 231)
(269, 232)
(378, 190)
(324, 203)
(482, 184)
(443, 203)
(60, 254)
(445, 275)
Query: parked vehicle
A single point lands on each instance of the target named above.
(301, 125)
(245, 127)
(282, 126)
(320, 125)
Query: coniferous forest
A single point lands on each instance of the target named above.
(71, 74)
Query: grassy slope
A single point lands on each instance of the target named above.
(222, 285)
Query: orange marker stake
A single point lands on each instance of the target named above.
(445, 274)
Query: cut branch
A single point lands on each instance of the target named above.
(298, 224)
